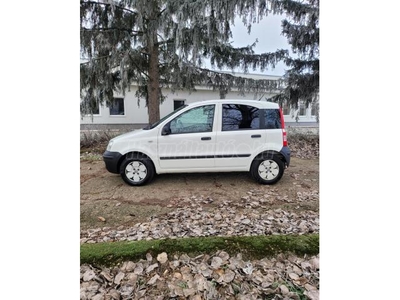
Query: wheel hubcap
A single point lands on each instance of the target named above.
(268, 169)
(136, 171)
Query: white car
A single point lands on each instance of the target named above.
(207, 136)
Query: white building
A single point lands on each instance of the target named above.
(126, 112)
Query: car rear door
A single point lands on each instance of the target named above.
(239, 135)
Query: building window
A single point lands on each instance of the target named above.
(178, 103)
(314, 109)
(95, 109)
(117, 107)
(302, 109)
(286, 108)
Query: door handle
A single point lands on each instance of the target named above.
(256, 136)
(207, 138)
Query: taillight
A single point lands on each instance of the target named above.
(285, 143)
(284, 137)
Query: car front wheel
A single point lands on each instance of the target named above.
(267, 170)
(137, 171)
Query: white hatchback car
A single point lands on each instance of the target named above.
(207, 136)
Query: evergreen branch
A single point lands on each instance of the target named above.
(108, 4)
(231, 57)
(164, 42)
(187, 76)
(94, 59)
(295, 8)
(161, 12)
(302, 38)
(299, 65)
(140, 69)
(132, 32)
(215, 72)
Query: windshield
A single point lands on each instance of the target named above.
(151, 126)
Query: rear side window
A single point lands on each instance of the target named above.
(239, 117)
(272, 119)
(246, 117)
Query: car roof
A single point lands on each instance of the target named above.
(259, 104)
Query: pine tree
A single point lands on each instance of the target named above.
(163, 44)
(302, 31)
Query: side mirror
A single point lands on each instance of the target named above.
(166, 130)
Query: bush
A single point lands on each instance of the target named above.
(97, 138)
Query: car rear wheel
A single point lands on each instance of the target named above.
(137, 171)
(267, 170)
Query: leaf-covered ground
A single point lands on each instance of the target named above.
(207, 276)
(182, 205)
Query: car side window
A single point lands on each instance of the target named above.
(272, 119)
(198, 119)
(246, 117)
(239, 117)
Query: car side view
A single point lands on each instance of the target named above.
(207, 136)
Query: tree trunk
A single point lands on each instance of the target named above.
(153, 87)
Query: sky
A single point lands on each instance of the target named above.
(270, 39)
(268, 34)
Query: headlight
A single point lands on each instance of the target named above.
(110, 143)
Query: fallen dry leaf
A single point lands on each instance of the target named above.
(162, 258)
(284, 289)
(313, 294)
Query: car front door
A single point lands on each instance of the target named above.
(188, 141)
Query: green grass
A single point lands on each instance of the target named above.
(253, 247)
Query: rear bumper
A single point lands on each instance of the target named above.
(285, 151)
(111, 160)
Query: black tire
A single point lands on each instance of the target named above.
(137, 171)
(267, 169)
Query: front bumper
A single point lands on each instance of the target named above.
(111, 160)
(285, 151)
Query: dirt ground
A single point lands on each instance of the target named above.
(107, 201)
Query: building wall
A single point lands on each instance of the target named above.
(136, 114)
